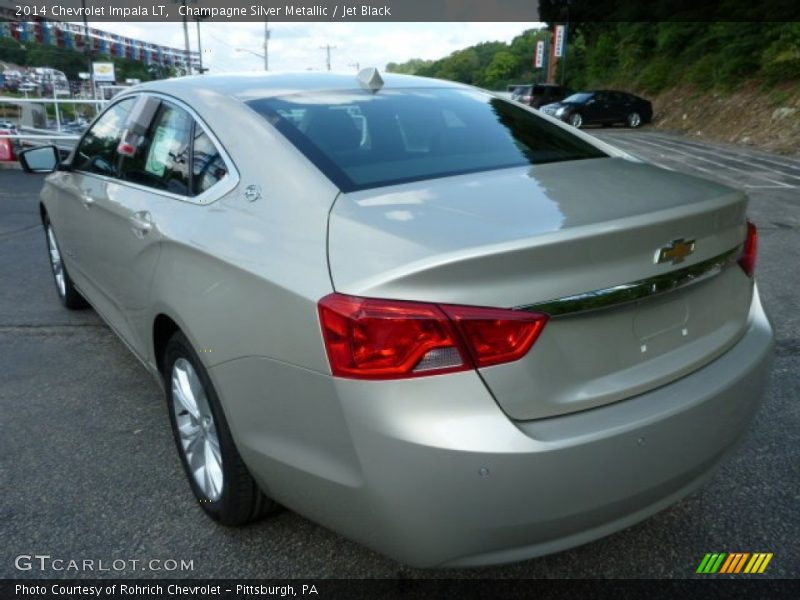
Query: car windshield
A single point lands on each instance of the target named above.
(361, 140)
(578, 98)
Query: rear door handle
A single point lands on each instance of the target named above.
(141, 223)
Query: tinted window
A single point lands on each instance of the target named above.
(617, 97)
(97, 151)
(162, 158)
(579, 98)
(362, 140)
(208, 167)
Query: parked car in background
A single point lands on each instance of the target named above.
(433, 320)
(539, 94)
(602, 107)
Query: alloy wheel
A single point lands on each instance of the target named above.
(55, 262)
(576, 120)
(197, 429)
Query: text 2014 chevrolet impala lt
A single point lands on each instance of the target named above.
(438, 322)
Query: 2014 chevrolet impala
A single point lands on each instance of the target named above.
(438, 322)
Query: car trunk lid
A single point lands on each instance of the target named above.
(569, 232)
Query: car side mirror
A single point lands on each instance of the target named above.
(42, 159)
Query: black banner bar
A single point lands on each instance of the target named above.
(376, 589)
(401, 10)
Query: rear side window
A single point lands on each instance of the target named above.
(97, 152)
(361, 140)
(162, 159)
(208, 167)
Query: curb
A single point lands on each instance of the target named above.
(10, 165)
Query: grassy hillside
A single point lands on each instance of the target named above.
(735, 81)
(650, 57)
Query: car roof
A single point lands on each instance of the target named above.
(250, 86)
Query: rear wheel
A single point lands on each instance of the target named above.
(576, 120)
(217, 475)
(633, 120)
(69, 296)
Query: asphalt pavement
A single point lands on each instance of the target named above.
(88, 470)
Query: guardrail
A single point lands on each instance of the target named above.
(64, 141)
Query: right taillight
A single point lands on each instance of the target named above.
(370, 338)
(750, 250)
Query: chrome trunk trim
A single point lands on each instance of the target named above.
(637, 290)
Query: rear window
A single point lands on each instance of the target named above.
(361, 140)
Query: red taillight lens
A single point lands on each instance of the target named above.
(495, 336)
(750, 251)
(388, 339)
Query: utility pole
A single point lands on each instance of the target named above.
(188, 57)
(200, 48)
(87, 49)
(328, 48)
(266, 44)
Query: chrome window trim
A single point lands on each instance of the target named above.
(635, 291)
(212, 194)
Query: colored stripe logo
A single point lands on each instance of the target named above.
(733, 563)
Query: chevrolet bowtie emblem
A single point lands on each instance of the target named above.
(676, 252)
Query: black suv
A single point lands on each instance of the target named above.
(539, 94)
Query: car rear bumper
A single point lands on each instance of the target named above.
(431, 472)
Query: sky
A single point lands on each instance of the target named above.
(296, 46)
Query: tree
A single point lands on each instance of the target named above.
(500, 71)
(410, 67)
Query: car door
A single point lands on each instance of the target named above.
(595, 108)
(127, 234)
(616, 105)
(77, 189)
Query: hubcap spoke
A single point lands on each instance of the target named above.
(182, 391)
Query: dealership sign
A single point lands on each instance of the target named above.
(560, 41)
(103, 71)
(539, 62)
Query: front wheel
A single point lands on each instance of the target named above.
(576, 120)
(217, 475)
(69, 296)
(633, 120)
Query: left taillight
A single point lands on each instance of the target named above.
(368, 338)
(747, 260)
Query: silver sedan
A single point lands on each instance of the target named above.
(436, 321)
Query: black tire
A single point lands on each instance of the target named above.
(634, 120)
(69, 296)
(576, 120)
(240, 500)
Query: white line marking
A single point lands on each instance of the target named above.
(733, 157)
(715, 163)
(787, 162)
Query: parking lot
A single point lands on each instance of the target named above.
(89, 471)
